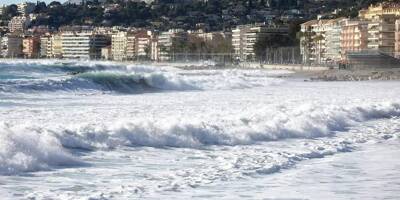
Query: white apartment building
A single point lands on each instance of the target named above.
(82, 45)
(381, 34)
(45, 46)
(321, 40)
(119, 46)
(245, 37)
(19, 24)
(165, 42)
(333, 31)
(3, 46)
(123, 46)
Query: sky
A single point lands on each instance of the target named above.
(7, 2)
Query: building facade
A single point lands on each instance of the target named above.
(30, 47)
(244, 38)
(82, 45)
(14, 46)
(18, 24)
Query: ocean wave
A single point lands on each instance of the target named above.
(31, 147)
(135, 82)
(308, 121)
(33, 150)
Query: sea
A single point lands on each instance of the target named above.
(113, 131)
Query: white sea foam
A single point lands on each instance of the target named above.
(308, 121)
(26, 150)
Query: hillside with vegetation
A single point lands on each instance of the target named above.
(165, 14)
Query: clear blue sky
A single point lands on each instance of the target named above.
(7, 2)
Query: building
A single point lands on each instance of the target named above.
(2, 9)
(56, 49)
(119, 46)
(244, 38)
(165, 42)
(237, 40)
(45, 46)
(381, 34)
(14, 46)
(354, 36)
(3, 46)
(333, 31)
(18, 24)
(106, 53)
(382, 9)
(123, 45)
(30, 47)
(143, 44)
(397, 39)
(154, 54)
(312, 41)
(83, 45)
(26, 8)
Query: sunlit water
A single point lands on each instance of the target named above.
(85, 130)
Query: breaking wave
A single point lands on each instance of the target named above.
(33, 150)
(126, 82)
(30, 148)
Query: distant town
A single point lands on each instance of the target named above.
(334, 37)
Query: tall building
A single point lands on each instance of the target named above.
(131, 47)
(45, 46)
(333, 31)
(83, 45)
(381, 33)
(30, 47)
(3, 46)
(18, 24)
(56, 49)
(14, 46)
(354, 36)
(397, 39)
(244, 37)
(143, 44)
(165, 42)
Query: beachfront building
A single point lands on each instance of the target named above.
(106, 53)
(14, 46)
(56, 50)
(3, 46)
(165, 42)
(45, 46)
(123, 46)
(30, 47)
(119, 43)
(82, 44)
(397, 39)
(381, 34)
(143, 44)
(154, 54)
(354, 36)
(244, 37)
(333, 30)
